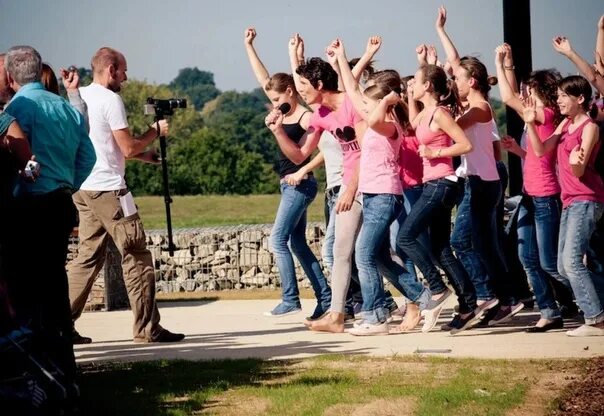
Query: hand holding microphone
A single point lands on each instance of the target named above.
(274, 119)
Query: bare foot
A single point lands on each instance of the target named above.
(332, 322)
(411, 319)
(542, 322)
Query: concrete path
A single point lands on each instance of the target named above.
(237, 329)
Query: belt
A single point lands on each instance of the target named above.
(332, 191)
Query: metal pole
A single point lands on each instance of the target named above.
(517, 33)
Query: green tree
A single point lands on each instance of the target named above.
(196, 84)
(210, 163)
(144, 178)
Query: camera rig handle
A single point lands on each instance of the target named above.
(164, 171)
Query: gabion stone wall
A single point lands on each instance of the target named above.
(209, 259)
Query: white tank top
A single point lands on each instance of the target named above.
(481, 160)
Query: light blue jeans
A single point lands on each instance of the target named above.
(577, 224)
(330, 231)
(374, 260)
(289, 230)
(538, 228)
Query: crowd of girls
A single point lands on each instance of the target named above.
(401, 153)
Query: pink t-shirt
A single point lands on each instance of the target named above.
(410, 163)
(438, 167)
(539, 173)
(379, 163)
(341, 124)
(588, 187)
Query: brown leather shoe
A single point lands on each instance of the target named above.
(163, 336)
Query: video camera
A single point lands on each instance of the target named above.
(160, 108)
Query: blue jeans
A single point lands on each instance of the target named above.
(538, 227)
(433, 213)
(330, 230)
(577, 224)
(475, 238)
(373, 257)
(412, 195)
(288, 230)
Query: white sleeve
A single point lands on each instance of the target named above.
(116, 113)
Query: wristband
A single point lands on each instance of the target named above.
(509, 68)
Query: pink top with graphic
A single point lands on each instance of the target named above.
(410, 163)
(438, 167)
(539, 173)
(379, 163)
(341, 124)
(588, 187)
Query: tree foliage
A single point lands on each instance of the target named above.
(198, 85)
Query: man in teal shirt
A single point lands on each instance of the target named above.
(45, 211)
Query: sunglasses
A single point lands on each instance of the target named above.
(347, 134)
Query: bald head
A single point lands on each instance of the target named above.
(104, 58)
(109, 68)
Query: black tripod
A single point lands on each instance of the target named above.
(164, 173)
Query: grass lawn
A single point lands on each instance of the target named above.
(328, 385)
(211, 210)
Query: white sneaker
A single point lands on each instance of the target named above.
(366, 329)
(586, 331)
(430, 318)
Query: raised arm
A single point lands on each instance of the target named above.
(600, 39)
(367, 57)
(422, 55)
(509, 69)
(508, 96)
(562, 45)
(451, 52)
(258, 67)
(351, 85)
(71, 82)
(296, 57)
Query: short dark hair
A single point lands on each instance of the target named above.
(575, 86)
(315, 70)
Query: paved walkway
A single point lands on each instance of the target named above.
(237, 329)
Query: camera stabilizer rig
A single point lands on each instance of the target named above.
(159, 109)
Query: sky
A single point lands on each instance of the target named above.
(160, 37)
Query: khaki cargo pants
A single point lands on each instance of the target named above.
(101, 218)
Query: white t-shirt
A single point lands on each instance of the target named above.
(106, 113)
(334, 158)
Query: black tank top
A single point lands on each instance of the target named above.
(294, 132)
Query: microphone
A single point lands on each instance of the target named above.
(284, 108)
